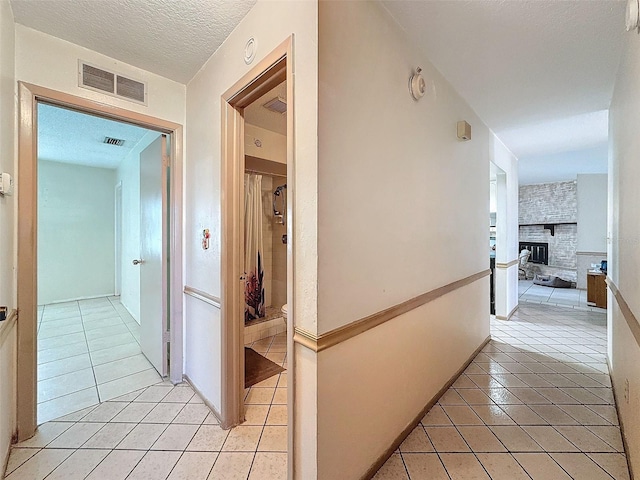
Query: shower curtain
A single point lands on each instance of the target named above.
(253, 248)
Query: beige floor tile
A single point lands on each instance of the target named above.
(65, 384)
(530, 396)
(78, 434)
(256, 414)
(18, 456)
(127, 397)
(425, 466)
(436, 417)
(193, 414)
(451, 397)
(154, 393)
(242, 439)
(134, 412)
(45, 434)
(104, 412)
(502, 466)
(282, 382)
(481, 439)
(163, 413)
(77, 415)
(502, 396)
(475, 396)
(541, 466)
(609, 434)
(557, 396)
(269, 466)
(260, 396)
(549, 439)
(211, 420)
(462, 415)
(175, 437)
(100, 357)
(208, 438)
(154, 466)
(280, 397)
(142, 437)
(492, 415)
(78, 465)
(554, 415)
(273, 439)
(59, 353)
(583, 415)
(277, 415)
(393, 469)
(40, 465)
(61, 367)
(121, 368)
(608, 412)
(463, 382)
(584, 439)
(179, 394)
(583, 396)
(109, 436)
(579, 465)
(613, 463)
(232, 466)
(523, 415)
(417, 441)
(446, 439)
(271, 382)
(515, 438)
(193, 466)
(463, 466)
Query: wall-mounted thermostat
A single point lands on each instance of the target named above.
(6, 184)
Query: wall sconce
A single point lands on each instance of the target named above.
(417, 85)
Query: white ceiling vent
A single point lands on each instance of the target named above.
(278, 105)
(111, 83)
(118, 142)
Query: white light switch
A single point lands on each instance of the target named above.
(6, 184)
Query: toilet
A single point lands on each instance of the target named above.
(284, 312)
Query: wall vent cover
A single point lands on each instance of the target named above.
(118, 142)
(111, 83)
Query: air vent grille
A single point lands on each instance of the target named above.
(95, 78)
(278, 105)
(118, 142)
(131, 89)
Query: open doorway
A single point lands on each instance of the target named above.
(499, 249)
(83, 344)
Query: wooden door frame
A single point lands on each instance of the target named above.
(275, 68)
(27, 192)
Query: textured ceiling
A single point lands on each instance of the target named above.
(257, 115)
(538, 72)
(172, 38)
(71, 137)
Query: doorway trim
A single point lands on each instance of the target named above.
(275, 68)
(118, 230)
(28, 98)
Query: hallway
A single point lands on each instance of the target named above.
(535, 403)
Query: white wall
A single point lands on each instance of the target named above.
(403, 210)
(8, 231)
(128, 173)
(76, 249)
(506, 279)
(270, 23)
(273, 146)
(624, 250)
(592, 213)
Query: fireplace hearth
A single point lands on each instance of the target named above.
(539, 252)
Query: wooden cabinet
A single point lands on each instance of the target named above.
(596, 290)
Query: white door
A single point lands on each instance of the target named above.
(153, 320)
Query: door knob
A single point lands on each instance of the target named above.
(137, 262)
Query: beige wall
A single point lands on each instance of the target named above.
(403, 209)
(7, 232)
(273, 146)
(270, 23)
(624, 231)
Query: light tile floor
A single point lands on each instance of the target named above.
(88, 352)
(164, 432)
(536, 403)
(561, 297)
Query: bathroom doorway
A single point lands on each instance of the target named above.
(257, 167)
